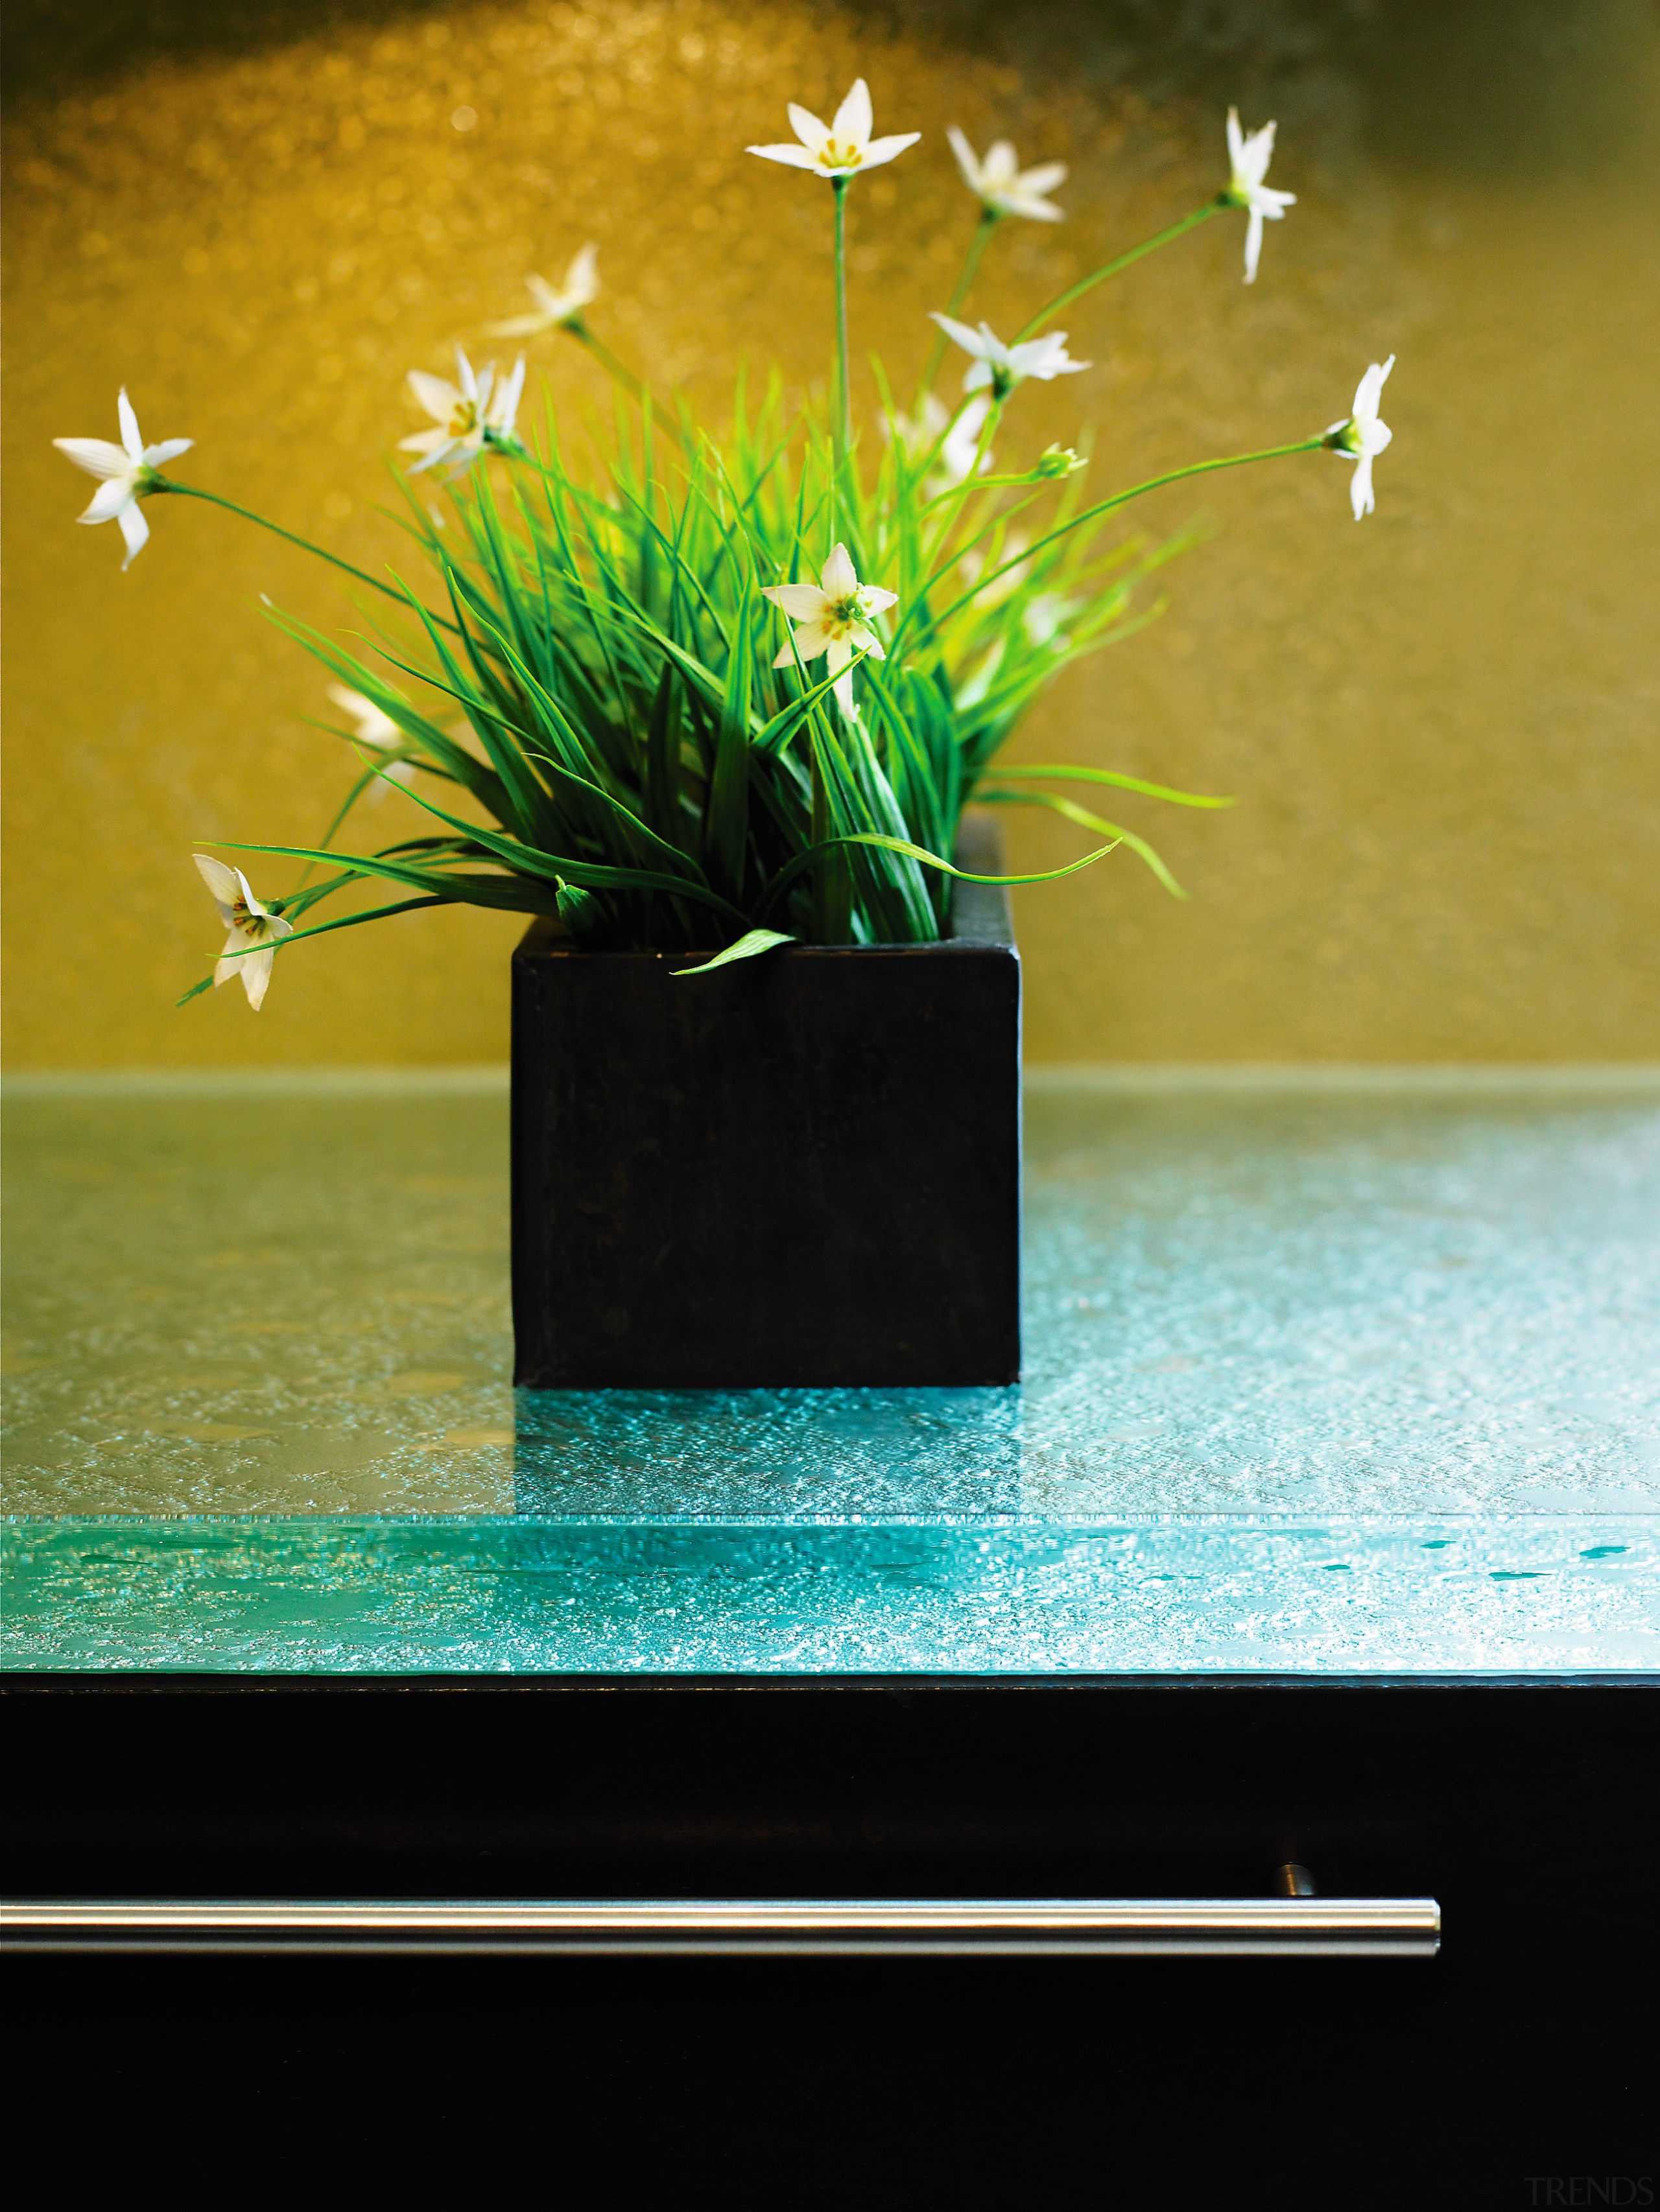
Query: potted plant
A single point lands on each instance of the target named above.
(713, 717)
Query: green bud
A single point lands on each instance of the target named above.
(1059, 461)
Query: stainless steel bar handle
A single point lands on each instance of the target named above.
(1300, 1926)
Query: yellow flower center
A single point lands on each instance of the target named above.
(464, 420)
(840, 157)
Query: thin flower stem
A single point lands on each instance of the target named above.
(1089, 515)
(951, 523)
(988, 222)
(843, 395)
(1112, 268)
(194, 491)
(636, 387)
(631, 384)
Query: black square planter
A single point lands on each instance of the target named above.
(799, 1170)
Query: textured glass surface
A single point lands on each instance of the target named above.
(1321, 1376)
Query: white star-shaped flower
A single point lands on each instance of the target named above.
(1003, 584)
(472, 415)
(128, 470)
(374, 728)
(1003, 367)
(1362, 434)
(555, 307)
(962, 444)
(253, 929)
(1044, 617)
(918, 435)
(1249, 158)
(999, 184)
(841, 148)
(832, 616)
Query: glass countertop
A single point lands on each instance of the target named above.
(1327, 1373)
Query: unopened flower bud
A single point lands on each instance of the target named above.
(1059, 461)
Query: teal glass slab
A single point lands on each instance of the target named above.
(1327, 1373)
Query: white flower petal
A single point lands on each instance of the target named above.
(1360, 496)
(970, 340)
(961, 445)
(1370, 390)
(1001, 165)
(979, 375)
(876, 599)
(224, 883)
(97, 456)
(464, 370)
(807, 128)
(1253, 244)
(459, 457)
(965, 157)
(1044, 179)
(1251, 156)
(157, 457)
(256, 976)
(854, 119)
(430, 442)
(374, 727)
(133, 527)
(801, 602)
(131, 437)
(840, 651)
(811, 639)
(505, 405)
(436, 393)
(1236, 140)
(792, 157)
(582, 277)
(837, 576)
(883, 150)
(109, 500)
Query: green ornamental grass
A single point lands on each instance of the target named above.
(728, 690)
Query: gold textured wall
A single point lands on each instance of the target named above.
(1440, 724)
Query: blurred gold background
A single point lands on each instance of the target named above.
(1439, 724)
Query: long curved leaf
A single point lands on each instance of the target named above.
(1008, 774)
(1085, 820)
(928, 860)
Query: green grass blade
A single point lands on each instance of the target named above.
(322, 929)
(1088, 821)
(747, 947)
(1121, 782)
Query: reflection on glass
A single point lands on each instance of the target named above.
(1337, 1379)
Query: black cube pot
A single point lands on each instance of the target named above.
(801, 1169)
